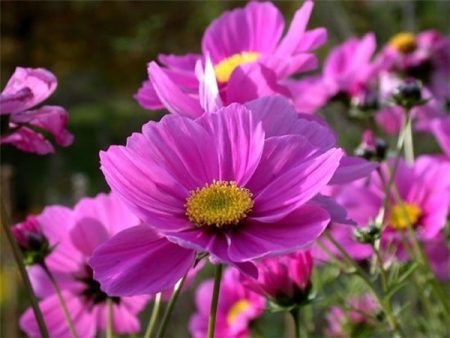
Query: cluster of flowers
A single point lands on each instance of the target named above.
(242, 171)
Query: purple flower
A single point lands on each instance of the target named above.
(359, 312)
(349, 70)
(74, 234)
(239, 184)
(237, 307)
(25, 89)
(244, 57)
(286, 280)
(423, 204)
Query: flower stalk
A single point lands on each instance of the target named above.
(155, 313)
(18, 257)
(214, 301)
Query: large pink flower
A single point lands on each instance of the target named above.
(74, 234)
(25, 89)
(240, 184)
(237, 307)
(247, 57)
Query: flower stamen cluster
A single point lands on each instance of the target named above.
(404, 42)
(218, 204)
(225, 68)
(404, 214)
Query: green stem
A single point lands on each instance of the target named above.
(409, 146)
(387, 308)
(214, 301)
(170, 306)
(6, 222)
(109, 324)
(155, 313)
(295, 312)
(69, 321)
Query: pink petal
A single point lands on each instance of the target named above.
(209, 91)
(295, 187)
(54, 318)
(296, 230)
(39, 81)
(171, 96)
(352, 168)
(53, 119)
(255, 28)
(29, 141)
(290, 43)
(147, 97)
(239, 142)
(118, 263)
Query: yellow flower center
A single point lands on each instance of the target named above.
(404, 42)
(218, 204)
(403, 215)
(225, 68)
(236, 310)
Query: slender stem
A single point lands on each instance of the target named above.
(295, 312)
(380, 265)
(109, 324)
(54, 283)
(155, 313)
(6, 222)
(214, 301)
(170, 306)
(409, 145)
(393, 322)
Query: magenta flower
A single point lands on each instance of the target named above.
(359, 312)
(74, 235)
(239, 184)
(25, 89)
(349, 70)
(243, 53)
(286, 280)
(441, 131)
(424, 204)
(424, 56)
(237, 307)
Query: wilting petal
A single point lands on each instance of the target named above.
(119, 263)
(49, 118)
(38, 82)
(28, 140)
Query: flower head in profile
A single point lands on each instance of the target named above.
(240, 184)
(23, 127)
(244, 56)
(32, 241)
(357, 317)
(285, 280)
(74, 234)
(238, 306)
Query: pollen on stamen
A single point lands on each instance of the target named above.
(219, 204)
(403, 215)
(225, 68)
(404, 42)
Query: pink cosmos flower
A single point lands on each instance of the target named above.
(244, 57)
(424, 204)
(359, 312)
(74, 234)
(25, 89)
(424, 56)
(348, 70)
(286, 279)
(237, 307)
(441, 131)
(239, 184)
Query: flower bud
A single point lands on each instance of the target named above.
(32, 241)
(285, 280)
(368, 235)
(371, 147)
(409, 94)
